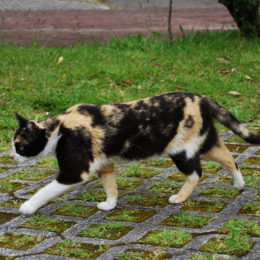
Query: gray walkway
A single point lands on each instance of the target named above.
(52, 243)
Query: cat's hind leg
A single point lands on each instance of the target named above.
(109, 183)
(220, 153)
(192, 170)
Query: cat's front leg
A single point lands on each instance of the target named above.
(109, 183)
(47, 193)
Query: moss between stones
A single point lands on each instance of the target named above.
(165, 187)
(236, 139)
(5, 159)
(48, 163)
(19, 241)
(124, 184)
(96, 195)
(158, 163)
(249, 209)
(224, 180)
(238, 246)
(220, 193)
(13, 203)
(253, 160)
(202, 205)
(211, 167)
(206, 257)
(178, 176)
(7, 257)
(257, 153)
(244, 227)
(135, 254)
(148, 200)
(131, 215)
(166, 238)
(237, 148)
(137, 172)
(10, 186)
(70, 248)
(5, 217)
(76, 210)
(182, 219)
(42, 222)
(257, 197)
(4, 169)
(112, 231)
(29, 175)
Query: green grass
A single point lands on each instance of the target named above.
(136, 171)
(182, 219)
(76, 210)
(244, 227)
(33, 83)
(70, 248)
(135, 254)
(219, 192)
(202, 205)
(159, 187)
(132, 215)
(106, 230)
(250, 209)
(45, 223)
(19, 241)
(233, 244)
(167, 238)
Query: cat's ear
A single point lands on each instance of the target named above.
(21, 120)
(32, 126)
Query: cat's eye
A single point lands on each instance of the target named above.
(21, 147)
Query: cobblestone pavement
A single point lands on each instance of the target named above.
(71, 227)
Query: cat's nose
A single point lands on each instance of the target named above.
(12, 155)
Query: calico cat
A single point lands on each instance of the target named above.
(89, 138)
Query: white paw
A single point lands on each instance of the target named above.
(105, 205)
(174, 199)
(239, 184)
(28, 208)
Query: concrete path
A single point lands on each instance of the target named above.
(72, 228)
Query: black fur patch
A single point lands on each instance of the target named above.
(185, 165)
(145, 129)
(74, 153)
(206, 116)
(189, 122)
(35, 142)
(211, 139)
(94, 111)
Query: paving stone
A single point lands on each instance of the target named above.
(130, 240)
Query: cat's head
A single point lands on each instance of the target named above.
(28, 142)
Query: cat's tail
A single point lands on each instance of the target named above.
(228, 120)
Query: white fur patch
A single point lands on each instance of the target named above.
(109, 204)
(238, 180)
(190, 147)
(193, 177)
(174, 199)
(97, 164)
(243, 130)
(50, 191)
